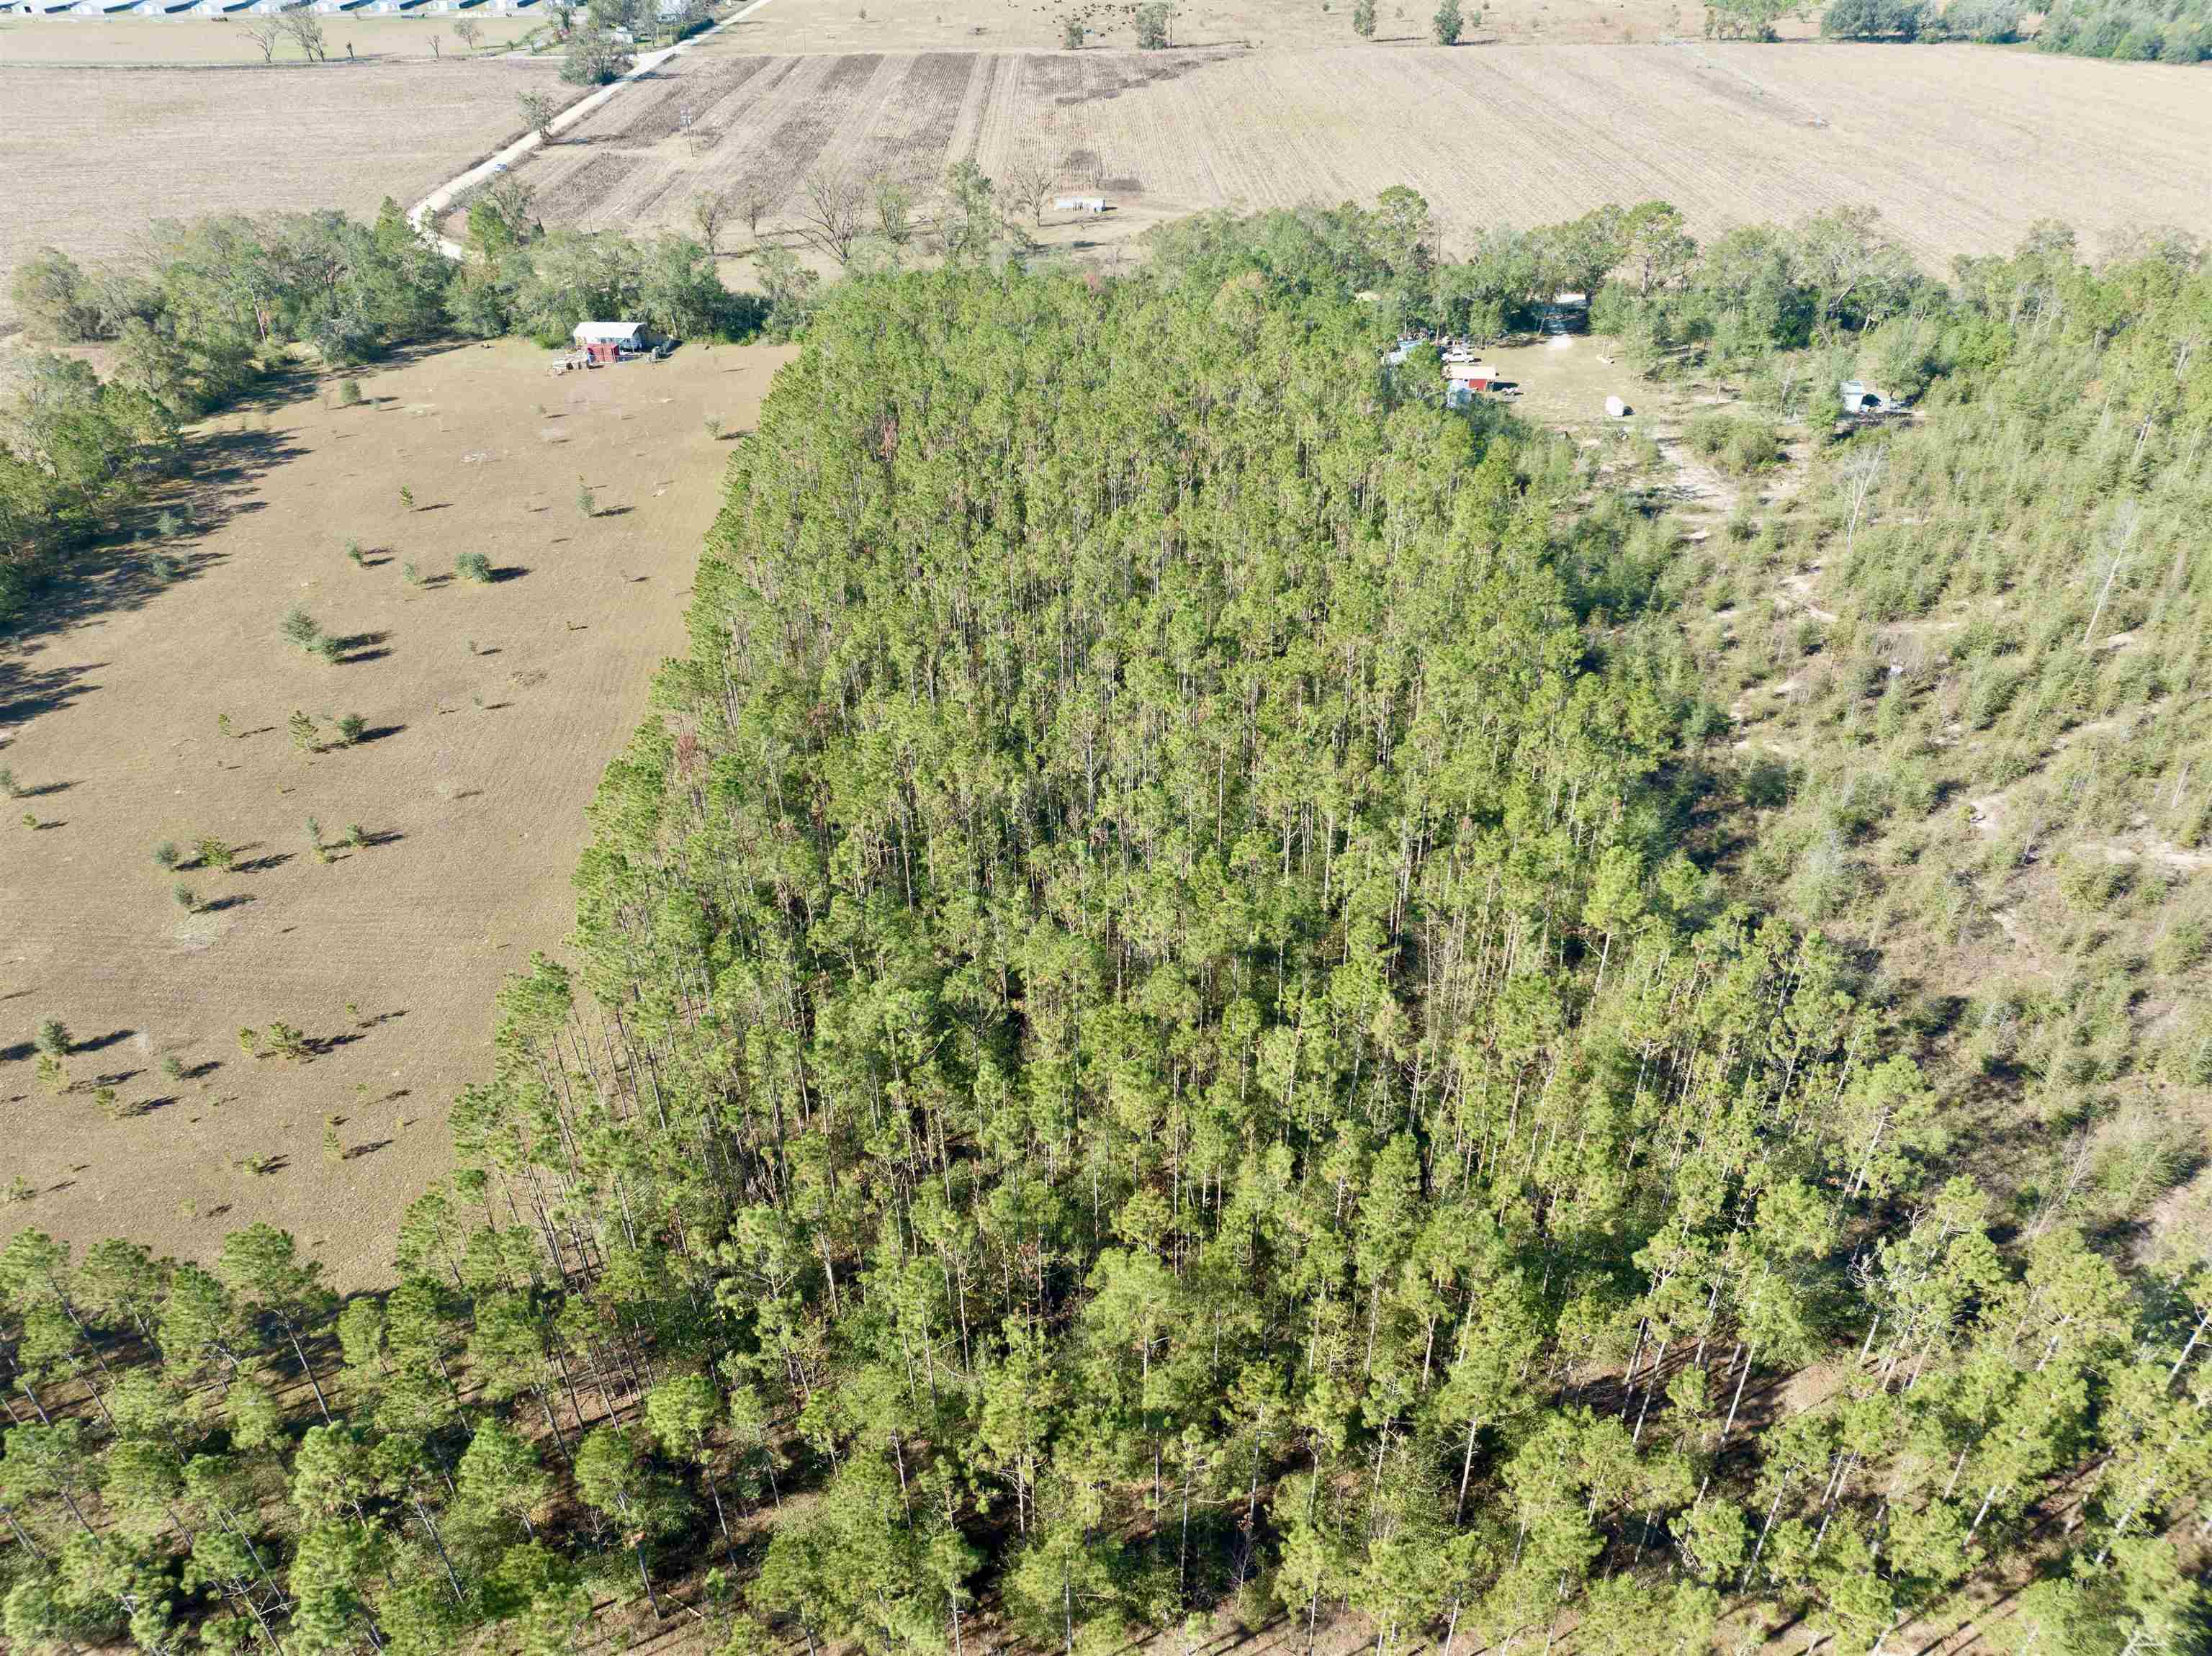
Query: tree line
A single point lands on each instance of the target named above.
(1175, 1017)
(222, 303)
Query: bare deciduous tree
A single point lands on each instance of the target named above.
(1028, 180)
(752, 206)
(305, 30)
(468, 30)
(265, 33)
(831, 217)
(894, 210)
(710, 210)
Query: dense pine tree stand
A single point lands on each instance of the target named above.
(1166, 1025)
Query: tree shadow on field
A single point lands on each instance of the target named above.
(27, 691)
(216, 472)
(357, 647)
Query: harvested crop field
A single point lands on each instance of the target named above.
(490, 708)
(840, 26)
(1961, 147)
(119, 148)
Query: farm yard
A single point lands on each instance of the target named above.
(1955, 143)
(119, 149)
(490, 709)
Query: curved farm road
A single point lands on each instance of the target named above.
(424, 213)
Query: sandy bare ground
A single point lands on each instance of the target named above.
(118, 148)
(471, 788)
(1963, 148)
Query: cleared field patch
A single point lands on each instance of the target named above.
(119, 148)
(1962, 148)
(490, 709)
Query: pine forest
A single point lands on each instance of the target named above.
(1223, 997)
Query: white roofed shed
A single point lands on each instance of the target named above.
(630, 335)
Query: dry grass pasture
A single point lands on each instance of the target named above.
(1962, 148)
(118, 148)
(491, 711)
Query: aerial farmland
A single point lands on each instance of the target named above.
(1515, 134)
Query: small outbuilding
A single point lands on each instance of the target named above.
(1859, 397)
(1617, 410)
(609, 342)
(1078, 204)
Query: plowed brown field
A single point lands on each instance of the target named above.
(1961, 148)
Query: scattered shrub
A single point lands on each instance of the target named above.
(474, 565)
(1741, 447)
(54, 1038)
(166, 854)
(300, 627)
(350, 729)
(2183, 946)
